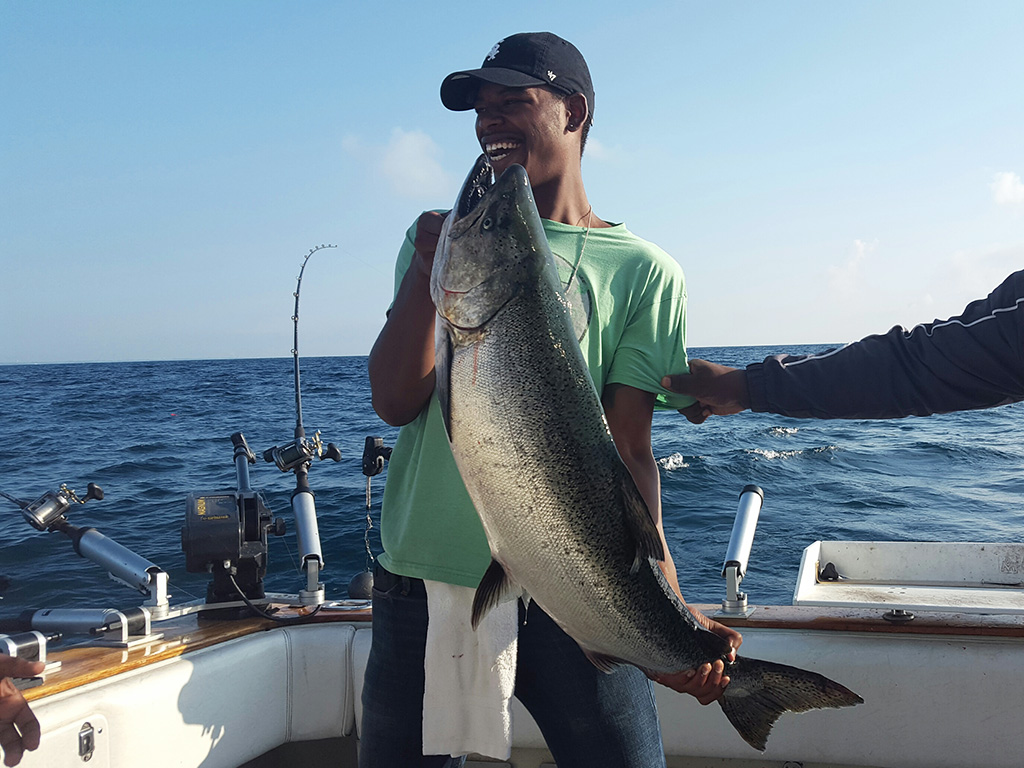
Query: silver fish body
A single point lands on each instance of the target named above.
(563, 517)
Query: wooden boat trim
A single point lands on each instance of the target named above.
(870, 620)
(84, 664)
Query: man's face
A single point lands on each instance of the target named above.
(525, 126)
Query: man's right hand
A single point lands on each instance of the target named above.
(401, 363)
(428, 231)
(718, 389)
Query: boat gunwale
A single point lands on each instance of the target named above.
(84, 664)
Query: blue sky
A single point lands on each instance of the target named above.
(821, 170)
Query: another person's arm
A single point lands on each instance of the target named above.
(974, 360)
(19, 729)
(629, 414)
(401, 363)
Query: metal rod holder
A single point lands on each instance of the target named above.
(737, 554)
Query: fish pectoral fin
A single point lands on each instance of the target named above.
(495, 587)
(603, 661)
(639, 524)
(442, 374)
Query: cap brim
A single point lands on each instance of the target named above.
(458, 90)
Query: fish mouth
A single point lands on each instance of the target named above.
(475, 188)
(467, 297)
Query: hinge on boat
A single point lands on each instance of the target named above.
(86, 742)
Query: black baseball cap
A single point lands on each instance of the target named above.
(520, 61)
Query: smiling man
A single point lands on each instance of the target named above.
(534, 105)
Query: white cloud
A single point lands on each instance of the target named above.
(597, 150)
(950, 283)
(411, 163)
(976, 272)
(1007, 189)
(845, 277)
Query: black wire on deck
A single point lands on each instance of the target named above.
(260, 612)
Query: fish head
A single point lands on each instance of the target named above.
(492, 244)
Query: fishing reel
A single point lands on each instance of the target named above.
(49, 511)
(300, 451)
(297, 457)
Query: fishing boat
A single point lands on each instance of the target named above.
(931, 635)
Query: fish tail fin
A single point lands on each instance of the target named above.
(760, 691)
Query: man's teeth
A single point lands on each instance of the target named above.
(499, 149)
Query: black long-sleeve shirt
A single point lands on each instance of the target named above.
(975, 360)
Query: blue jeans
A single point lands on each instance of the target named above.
(589, 719)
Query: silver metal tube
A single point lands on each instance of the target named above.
(123, 564)
(742, 538)
(29, 645)
(306, 529)
(72, 620)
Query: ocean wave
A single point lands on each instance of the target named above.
(766, 453)
(783, 431)
(770, 455)
(675, 461)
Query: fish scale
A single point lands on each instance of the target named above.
(564, 520)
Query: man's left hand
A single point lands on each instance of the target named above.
(706, 683)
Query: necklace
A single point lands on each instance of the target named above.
(579, 258)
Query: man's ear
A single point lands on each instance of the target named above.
(578, 111)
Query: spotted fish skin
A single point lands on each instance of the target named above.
(564, 520)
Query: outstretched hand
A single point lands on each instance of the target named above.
(718, 389)
(19, 729)
(707, 682)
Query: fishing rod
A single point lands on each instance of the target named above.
(297, 457)
(299, 432)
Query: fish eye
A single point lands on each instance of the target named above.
(487, 223)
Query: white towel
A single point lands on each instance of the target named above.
(469, 675)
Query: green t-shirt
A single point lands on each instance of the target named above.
(629, 308)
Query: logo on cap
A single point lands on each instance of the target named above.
(494, 51)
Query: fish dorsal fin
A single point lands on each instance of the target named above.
(442, 374)
(639, 524)
(495, 587)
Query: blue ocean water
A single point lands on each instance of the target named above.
(150, 432)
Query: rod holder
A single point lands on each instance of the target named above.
(737, 554)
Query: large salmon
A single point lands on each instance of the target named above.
(565, 522)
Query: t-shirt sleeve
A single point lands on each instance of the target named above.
(653, 341)
(405, 254)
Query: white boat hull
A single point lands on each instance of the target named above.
(931, 699)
